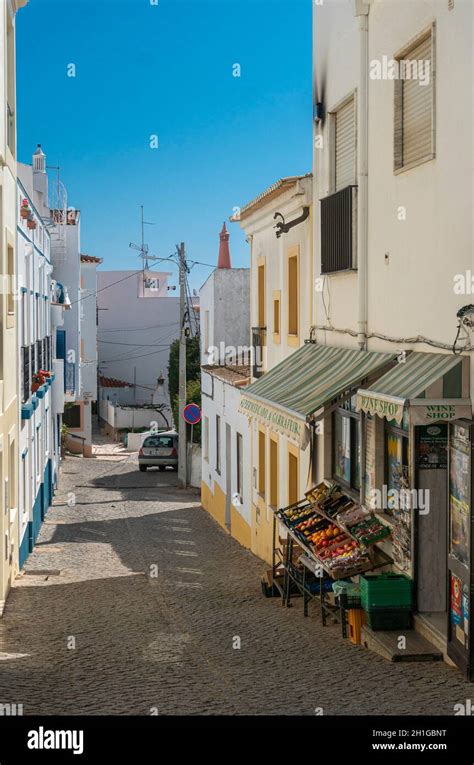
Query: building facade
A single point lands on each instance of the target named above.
(134, 344)
(39, 445)
(281, 305)
(389, 142)
(225, 369)
(9, 377)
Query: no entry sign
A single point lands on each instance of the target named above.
(192, 414)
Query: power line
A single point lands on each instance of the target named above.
(130, 358)
(141, 329)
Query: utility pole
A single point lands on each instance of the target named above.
(182, 446)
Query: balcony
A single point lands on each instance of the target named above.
(259, 336)
(339, 231)
(26, 374)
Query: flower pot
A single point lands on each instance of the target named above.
(31, 224)
(34, 387)
(24, 212)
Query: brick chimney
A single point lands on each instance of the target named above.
(223, 260)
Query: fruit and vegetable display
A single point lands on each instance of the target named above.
(335, 529)
(355, 514)
(297, 513)
(370, 531)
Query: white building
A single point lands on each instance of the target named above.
(76, 327)
(39, 443)
(225, 359)
(138, 321)
(9, 377)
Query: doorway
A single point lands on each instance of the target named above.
(431, 481)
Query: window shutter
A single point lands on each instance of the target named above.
(345, 169)
(417, 107)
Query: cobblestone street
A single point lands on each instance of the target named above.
(165, 642)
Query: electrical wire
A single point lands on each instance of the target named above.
(94, 293)
(141, 329)
(129, 358)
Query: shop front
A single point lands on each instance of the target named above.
(288, 407)
(416, 464)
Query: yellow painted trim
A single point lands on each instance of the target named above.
(276, 295)
(293, 449)
(262, 429)
(274, 437)
(10, 242)
(294, 252)
(240, 529)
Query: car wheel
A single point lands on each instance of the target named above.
(142, 468)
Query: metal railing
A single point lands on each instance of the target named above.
(259, 335)
(339, 231)
(26, 374)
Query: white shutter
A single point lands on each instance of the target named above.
(417, 99)
(345, 143)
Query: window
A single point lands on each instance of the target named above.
(344, 167)
(414, 105)
(206, 438)
(218, 443)
(159, 442)
(293, 307)
(273, 473)
(72, 416)
(293, 473)
(346, 445)
(261, 295)
(261, 463)
(239, 457)
(11, 476)
(396, 460)
(11, 280)
(276, 314)
(26, 374)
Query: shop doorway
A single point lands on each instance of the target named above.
(431, 513)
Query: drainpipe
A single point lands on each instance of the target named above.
(362, 14)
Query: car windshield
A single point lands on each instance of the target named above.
(160, 442)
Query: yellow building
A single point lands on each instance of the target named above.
(278, 227)
(9, 399)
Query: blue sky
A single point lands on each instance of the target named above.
(165, 70)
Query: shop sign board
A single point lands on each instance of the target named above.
(422, 411)
(390, 408)
(282, 422)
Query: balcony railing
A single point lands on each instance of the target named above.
(26, 374)
(339, 231)
(259, 335)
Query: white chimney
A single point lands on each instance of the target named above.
(40, 178)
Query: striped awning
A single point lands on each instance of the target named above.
(299, 388)
(431, 384)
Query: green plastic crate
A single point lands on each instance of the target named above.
(389, 619)
(385, 590)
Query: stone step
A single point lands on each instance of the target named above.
(386, 645)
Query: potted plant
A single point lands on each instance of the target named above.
(45, 373)
(25, 211)
(31, 223)
(37, 381)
